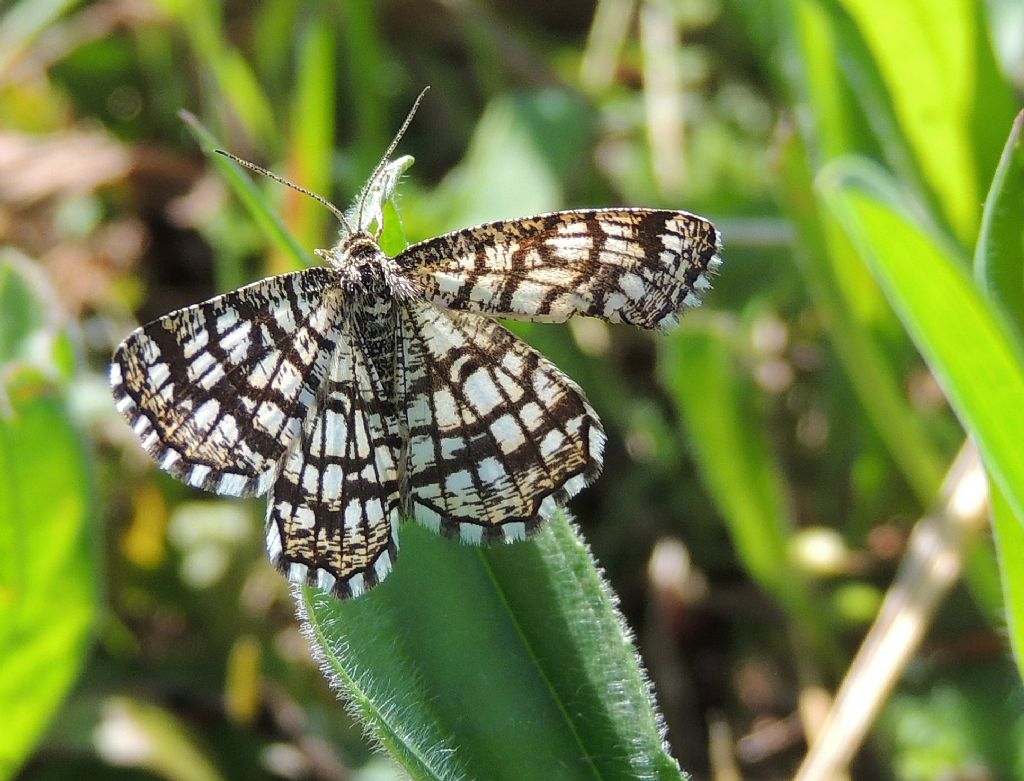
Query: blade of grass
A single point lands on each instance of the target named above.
(925, 53)
(262, 212)
(970, 349)
(366, 60)
(999, 269)
(1009, 537)
(236, 85)
(999, 253)
(311, 144)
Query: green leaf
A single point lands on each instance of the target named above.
(853, 106)
(999, 253)
(1008, 530)
(21, 314)
(969, 347)
(929, 56)
(496, 663)
(47, 562)
(999, 269)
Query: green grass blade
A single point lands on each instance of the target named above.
(365, 63)
(999, 253)
(261, 210)
(236, 85)
(311, 145)
(497, 663)
(999, 269)
(736, 464)
(970, 349)
(926, 53)
(867, 121)
(1008, 530)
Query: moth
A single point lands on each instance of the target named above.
(376, 388)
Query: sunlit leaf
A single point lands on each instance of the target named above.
(968, 345)
(47, 560)
(496, 663)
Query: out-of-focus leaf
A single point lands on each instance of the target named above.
(521, 149)
(969, 347)
(999, 269)
(47, 566)
(22, 22)
(251, 196)
(20, 313)
(499, 663)
(928, 54)
(737, 467)
(365, 66)
(311, 141)
(237, 85)
(854, 109)
(132, 733)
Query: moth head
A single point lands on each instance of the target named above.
(368, 208)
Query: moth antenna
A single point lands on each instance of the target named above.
(390, 151)
(270, 174)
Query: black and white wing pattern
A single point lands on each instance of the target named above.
(218, 391)
(376, 387)
(498, 436)
(333, 513)
(642, 267)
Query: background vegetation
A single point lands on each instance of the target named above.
(792, 516)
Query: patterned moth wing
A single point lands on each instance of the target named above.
(642, 267)
(333, 513)
(217, 392)
(378, 387)
(497, 434)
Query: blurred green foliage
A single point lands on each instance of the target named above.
(765, 465)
